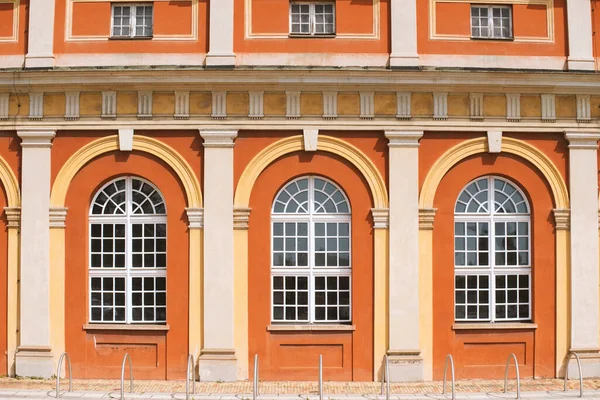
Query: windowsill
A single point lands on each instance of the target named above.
(510, 39)
(315, 36)
(495, 326)
(130, 38)
(311, 327)
(125, 327)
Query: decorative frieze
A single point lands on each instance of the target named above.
(561, 219)
(195, 218)
(440, 106)
(548, 107)
(144, 105)
(426, 218)
(330, 105)
(36, 105)
(256, 106)
(109, 105)
(72, 106)
(583, 108)
(381, 218)
(219, 105)
(58, 217)
(367, 105)
(241, 217)
(513, 107)
(476, 105)
(403, 105)
(292, 105)
(4, 102)
(182, 105)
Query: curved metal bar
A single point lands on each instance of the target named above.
(255, 380)
(125, 358)
(190, 363)
(320, 376)
(580, 374)
(385, 379)
(449, 358)
(506, 375)
(60, 360)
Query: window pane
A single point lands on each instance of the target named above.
(290, 298)
(471, 302)
(512, 297)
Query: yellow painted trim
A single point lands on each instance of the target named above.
(560, 196)
(10, 183)
(57, 234)
(242, 199)
(563, 299)
(380, 300)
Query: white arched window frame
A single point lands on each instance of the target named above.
(311, 253)
(492, 252)
(128, 253)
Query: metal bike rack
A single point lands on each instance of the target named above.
(385, 379)
(580, 374)
(60, 360)
(320, 376)
(506, 375)
(125, 358)
(255, 381)
(190, 363)
(449, 358)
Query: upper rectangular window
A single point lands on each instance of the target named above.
(132, 20)
(312, 18)
(491, 22)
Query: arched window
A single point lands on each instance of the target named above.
(492, 254)
(128, 253)
(311, 262)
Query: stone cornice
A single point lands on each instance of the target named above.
(13, 216)
(582, 140)
(381, 218)
(36, 138)
(562, 219)
(403, 138)
(58, 217)
(195, 218)
(218, 137)
(241, 217)
(426, 218)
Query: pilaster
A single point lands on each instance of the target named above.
(579, 25)
(34, 357)
(583, 178)
(406, 363)
(220, 52)
(40, 34)
(13, 219)
(218, 359)
(404, 34)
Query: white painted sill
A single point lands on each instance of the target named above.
(496, 326)
(311, 327)
(125, 327)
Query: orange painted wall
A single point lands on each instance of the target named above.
(482, 354)
(528, 20)
(98, 354)
(170, 18)
(357, 346)
(272, 16)
(6, 28)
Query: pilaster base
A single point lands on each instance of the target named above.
(39, 61)
(34, 361)
(404, 61)
(218, 365)
(588, 64)
(217, 60)
(590, 363)
(405, 365)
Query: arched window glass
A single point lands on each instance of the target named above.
(128, 253)
(492, 256)
(311, 253)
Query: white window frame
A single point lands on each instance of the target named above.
(128, 272)
(132, 19)
(311, 271)
(312, 5)
(490, 22)
(492, 270)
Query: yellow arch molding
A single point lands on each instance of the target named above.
(380, 245)
(10, 183)
(509, 145)
(560, 196)
(58, 196)
(326, 143)
(145, 144)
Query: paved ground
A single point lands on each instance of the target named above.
(473, 389)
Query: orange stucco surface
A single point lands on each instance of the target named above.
(7, 20)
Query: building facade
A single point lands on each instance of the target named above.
(289, 179)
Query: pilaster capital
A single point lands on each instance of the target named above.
(403, 138)
(381, 218)
(582, 140)
(195, 218)
(36, 138)
(241, 217)
(58, 217)
(426, 217)
(218, 137)
(13, 216)
(562, 218)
